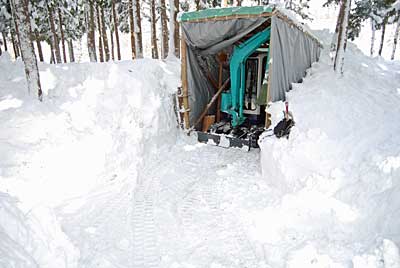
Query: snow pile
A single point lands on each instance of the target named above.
(33, 239)
(339, 172)
(96, 125)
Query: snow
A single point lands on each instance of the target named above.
(98, 175)
(340, 166)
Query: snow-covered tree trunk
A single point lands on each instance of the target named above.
(138, 29)
(382, 36)
(174, 39)
(39, 46)
(60, 26)
(342, 37)
(373, 30)
(395, 38)
(164, 29)
(91, 42)
(154, 47)
(54, 38)
(104, 35)
(4, 41)
(23, 23)
(239, 3)
(71, 51)
(101, 54)
(224, 3)
(115, 18)
(132, 29)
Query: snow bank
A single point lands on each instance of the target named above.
(97, 124)
(92, 127)
(339, 172)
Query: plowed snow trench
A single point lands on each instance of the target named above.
(188, 208)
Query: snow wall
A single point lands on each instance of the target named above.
(339, 172)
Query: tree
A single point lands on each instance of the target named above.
(115, 19)
(154, 47)
(174, 39)
(396, 36)
(104, 31)
(60, 27)
(55, 41)
(91, 30)
(138, 29)
(23, 23)
(132, 29)
(164, 29)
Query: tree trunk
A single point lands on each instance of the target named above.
(342, 36)
(132, 29)
(104, 35)
(100, 37)
(60, 23)
(154, 47)
(15, 44)
(5, 41)
(39, 46)
(138, 29)
(22, 20)
(176, 29)
(91, 32)
(71, 51)
(164, 29)
(382, 36)
(116, 29)
(52, 58)
(396, 37)
(112, 43)
(197, 3)
(14, 33)
(55, 41)
(239, 3)
(373, 29)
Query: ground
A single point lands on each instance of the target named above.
(99, 175)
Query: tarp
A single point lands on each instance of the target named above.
(224, 12)
(292, 52)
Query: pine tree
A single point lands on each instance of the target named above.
(154, 47)
(164, 30)
(396, 36)
(104, 32)
(132, 29)
(60, 27)
(91, 30)
(116, 29)
(138, 29)
(23, 23)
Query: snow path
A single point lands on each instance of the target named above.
(186, 210)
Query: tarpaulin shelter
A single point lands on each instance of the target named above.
(205, 33)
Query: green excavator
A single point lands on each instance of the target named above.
(243, 104)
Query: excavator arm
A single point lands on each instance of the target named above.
(233, 100)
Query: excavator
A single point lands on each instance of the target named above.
(243, 116)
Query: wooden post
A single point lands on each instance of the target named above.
(268, 115)
(185, 90)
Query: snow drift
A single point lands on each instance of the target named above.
(96, 125)
(339, 172)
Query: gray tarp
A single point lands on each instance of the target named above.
(292, 53)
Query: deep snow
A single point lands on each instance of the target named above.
(99, 176)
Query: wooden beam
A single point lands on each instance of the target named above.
(214, 98)
(185, 90)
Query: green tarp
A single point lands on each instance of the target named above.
(223, 12)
